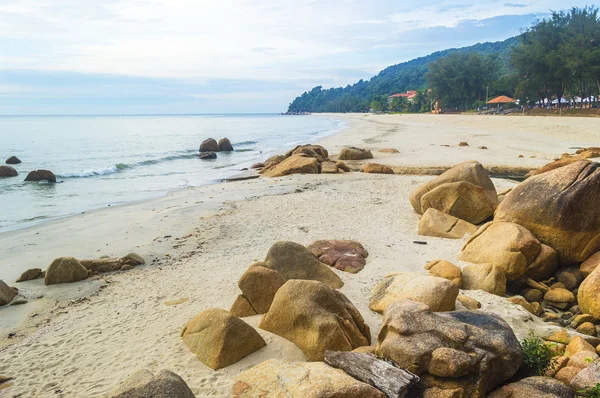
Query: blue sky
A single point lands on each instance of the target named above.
(203, 56)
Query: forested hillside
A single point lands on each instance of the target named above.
(394, 79)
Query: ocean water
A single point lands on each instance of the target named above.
(102, 160)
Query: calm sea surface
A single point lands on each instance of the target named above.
(102, 160)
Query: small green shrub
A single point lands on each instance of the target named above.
(537, 356)
(591, 392)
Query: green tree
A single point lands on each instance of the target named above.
(459, 79)
(379, 103)
(399, 104)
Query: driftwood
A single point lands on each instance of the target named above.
(384, 375)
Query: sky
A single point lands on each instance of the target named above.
(226, 56)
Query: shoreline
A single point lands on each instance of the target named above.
(198, 241)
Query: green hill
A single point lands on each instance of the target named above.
(393, 79)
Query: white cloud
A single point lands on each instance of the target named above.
(246, 39)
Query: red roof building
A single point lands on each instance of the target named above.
(409, 95)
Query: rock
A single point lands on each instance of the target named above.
(506, 245)
(328, 167)
(143, 384)
(538, 310)
(591, 152)
(559, 208)
(463, 143)
(345, 255)
(258, 165)
(133, 259)
(559, 298)
(342, 166)
(568, 280)
(273, 160)
(579, 319)
(587, 328)
(561, 337)
(560, 363)
(567, 374)
(209, 145)
(30, 274)
(65, 270)
(589, 265)
(7, 171)
(438, 224)
(13, 160)
(551, 317)
(534, 387)
(582, 359)
(471, 171)
(277, 378)
(258, 285)
(564, 161)
(354, 153)
(439, 294)
(533, 295)
(294, 261)
(242, 308)
(468, 302)
(295, 164)
(523, 303)
(103, 264)
(220, 339)
(460, 199)
(389, 150)
(588, 296)
(461, 345)
(225, 145)
(6, 293)
(310, 150)
(316, 318)
(486, 277)
(41, 175)
(375, 168)
(445, 269)
(544, 265)
(587, 378)
(207, 155)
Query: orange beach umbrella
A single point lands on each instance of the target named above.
(503, 99)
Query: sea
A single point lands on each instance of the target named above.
(112, 160)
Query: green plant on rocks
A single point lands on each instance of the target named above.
(591, 392)
(537, 356)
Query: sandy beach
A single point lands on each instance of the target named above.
(84, 339)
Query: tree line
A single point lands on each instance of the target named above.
(557, 57)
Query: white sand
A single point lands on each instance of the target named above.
(88, 346)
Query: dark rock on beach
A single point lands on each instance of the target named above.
(225, 145)
(41, 175)
(30, 274)
(209, 145)
(207, 155)
(13, 160)
(7, 171)
(165, 384)
(6, 293)
(65, 270)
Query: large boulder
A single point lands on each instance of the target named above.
(294, 261)
(277, 378)
(589, 265)
(65, 270)
(225, 145)
(316, 318)
(447, 270)
(7, 171)
(563, 161)
(258, 285)
(437, 293)
(209, 145)
(471, 172)
(588, 295)
(220, 339)
(143, 384)
(30, 274)
(503, 244)
(467, 353)
(6, 293)
(103, 264)
(295, 164)
(353, 153)
(310, 150)
(345, 255)
(460, 199)
(442, 225)
(544, 265)
(13, 160)
(487, 277)
(589, 377)
(560, 208)
(41, 175)
(534, 387)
